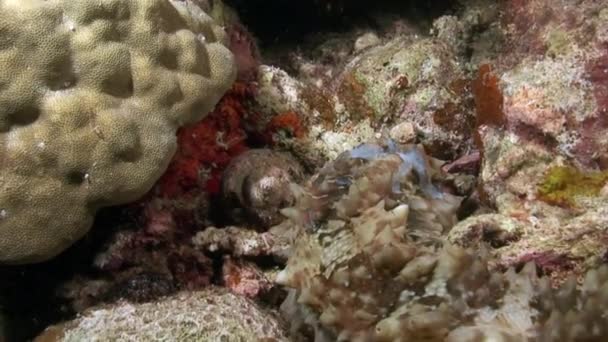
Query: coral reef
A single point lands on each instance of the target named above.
(551, 76)
(421, 81)
(158, 240)
(213, 314)
(525, 182)
(312, 122)
(505, 240)
(356, 86)
(95, 92)
(155, 243)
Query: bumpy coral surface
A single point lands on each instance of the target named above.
(158, 241)
(210, 315)
(371, 264)
(92, 95)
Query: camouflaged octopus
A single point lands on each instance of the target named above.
(369, 263)
(349, 261)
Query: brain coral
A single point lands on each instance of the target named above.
(214, 314)
(91, 94)
(371, 264)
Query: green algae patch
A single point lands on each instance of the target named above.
(563, 184)
(559, 43)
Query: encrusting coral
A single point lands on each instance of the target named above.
(371, 263)
(214, 314)
(93, 94)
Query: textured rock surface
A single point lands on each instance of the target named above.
(210, 315)
(418, 80)
(549, 211)
(92, 95)
(541, 116)
(348, 92)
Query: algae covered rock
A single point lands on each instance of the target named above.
(419, 80)
(540, 97)
(91, 94)
(213, 314)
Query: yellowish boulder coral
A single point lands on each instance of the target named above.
(91, 94)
